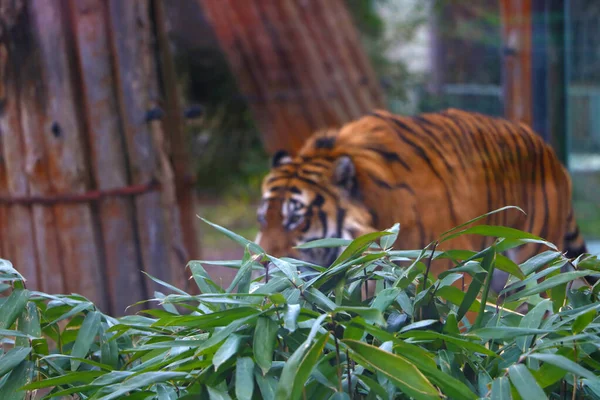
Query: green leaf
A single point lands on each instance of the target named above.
(202, 279)
(448, 232)
(244, 381)
(385, 298)
(74, 311)
(227, 350)
(12, 307)
(540, 260)
(85, 337)
(29, 323)
(525, 383)
(298, 367)
(7, 270)
(244, 273)
(397, 369)
(547, 284)
(339, 396)
(290, 321)
(324, 243)
(417, 325)
(109, 350)
(500, 389)
(565, 364)
(140, 381)
(373, 386)
(12, 358)
(266, 384)
(207, 321)
(583, 320)
(264, 342)
(372, 315)
(165, 284)
(358, 245)
(69, 378)
(316, 297)
(288, 269)
(217, 394)
(19, 377)
(307, 350)
(470, 296)
(236, 238)
(500, 232)
(507, 332)
(592, 385)
(465, 344)
(532, 319)
(388, 241)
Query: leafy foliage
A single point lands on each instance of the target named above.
(276, 333)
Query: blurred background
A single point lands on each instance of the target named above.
(427, 55)
(196, 94)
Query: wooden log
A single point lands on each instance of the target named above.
(79, 101)
(19, 62)
(138, 101)
(122, 257)
(79, 239)
(300, 64)
(33, 122)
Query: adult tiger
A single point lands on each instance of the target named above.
(430, 173)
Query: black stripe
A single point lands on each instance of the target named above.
(572, 235)
(387, 186)
(390, 156)
(456, 149)
(576, 252)
(421, 228)
(419, 151)
(432, 143)
(341, 214)
(374, 218)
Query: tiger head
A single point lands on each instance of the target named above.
(309, 197)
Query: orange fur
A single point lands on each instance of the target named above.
(430, 173)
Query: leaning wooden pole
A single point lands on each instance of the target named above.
(87, 189)
(300, 64)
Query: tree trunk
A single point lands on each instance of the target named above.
(87, 190)
(300, 65)
(516, 31)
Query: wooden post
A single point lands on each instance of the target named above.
(299, 63)
(516, 31)
(177, 141)
(87, 190)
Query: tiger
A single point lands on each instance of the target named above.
(429, 172)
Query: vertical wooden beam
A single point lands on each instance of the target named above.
(178, 141)
(19, 61)
(108, 161)
(300, 65)
(79, 241)
(516, 31)
(139, 99)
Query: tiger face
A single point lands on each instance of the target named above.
(305, 200)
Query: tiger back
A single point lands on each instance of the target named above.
(429, 172)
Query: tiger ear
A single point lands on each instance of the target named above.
(280, 157)
(344, 173)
